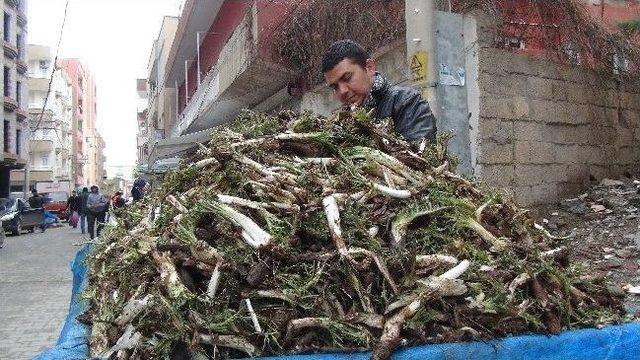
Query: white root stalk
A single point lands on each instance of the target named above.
(176, 204)
(436, 260)
(256, 166)
(391, 192)
(440, 169)
(443, 285)
(132, 309)
(232, 200)
(205, 150)
(485, 234)
(128, 340)
(478, 213)
(553, 237)
(296, 325)
(281, 137)
(168, 274)
(284, 176)
(229, 341)
(252, 233)
(555, 253)
(381, 266)
(318, 161)
(401, 223)
(212, 287)
(272, 294)
(371, 320)
(332, 212)
(388, 179)
(388, 161)
(254, 317)
(207, 162)
(516, 283)
(456, 271)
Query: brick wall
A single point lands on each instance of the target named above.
(545, 128)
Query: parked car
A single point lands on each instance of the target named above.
(16, 215)
(56, 202)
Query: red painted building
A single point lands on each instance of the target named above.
(84, 133)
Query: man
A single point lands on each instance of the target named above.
(351, 72)
(73, 207)
(97, 207)
(138, 189)
(117, 201)
(36, 201)
(83, 208)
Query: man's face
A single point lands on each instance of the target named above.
(351, 82)
(94, 190)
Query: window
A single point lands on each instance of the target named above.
(19, 46)
(6, 136)
(18, 141)
(7, 27)
(7, 81)
(80, 105)
(19, 93)
(45, 160)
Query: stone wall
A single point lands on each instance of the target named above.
(544, 128)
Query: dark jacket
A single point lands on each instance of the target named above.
(83, 203)
(36, 201)
(73, 203)
(411, 114)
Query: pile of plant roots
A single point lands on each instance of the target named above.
(296, 233)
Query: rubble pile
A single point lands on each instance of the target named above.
(606, 225)
(297, 233)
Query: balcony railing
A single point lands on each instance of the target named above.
(10, 50)
(21, 18)
(10, 104)
(21, 66)
(21, 114)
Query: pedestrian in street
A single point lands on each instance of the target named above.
(97, 206)
(137, 192)
(83, 208)
(117, 201)
(351, 72)
(73, 208)
(36, 201)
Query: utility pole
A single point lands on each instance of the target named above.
(421, 45)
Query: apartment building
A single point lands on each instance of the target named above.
(157, 109)
(87, 144)
(50, 112)
(15, 129)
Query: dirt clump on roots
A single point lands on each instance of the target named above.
(296, 233)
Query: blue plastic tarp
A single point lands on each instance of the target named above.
(620, 342)
(73, 340)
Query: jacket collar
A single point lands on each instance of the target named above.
(380, 85)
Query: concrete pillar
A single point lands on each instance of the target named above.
(421, 48)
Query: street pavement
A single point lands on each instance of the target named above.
(35, 289)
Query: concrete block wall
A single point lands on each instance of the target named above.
(546, 128)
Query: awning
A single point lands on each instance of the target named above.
(173, 147)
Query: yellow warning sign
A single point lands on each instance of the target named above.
(419, 63)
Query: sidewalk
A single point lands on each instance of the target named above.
(35, 289)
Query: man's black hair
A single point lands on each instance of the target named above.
(344, 49)
(84, 189)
